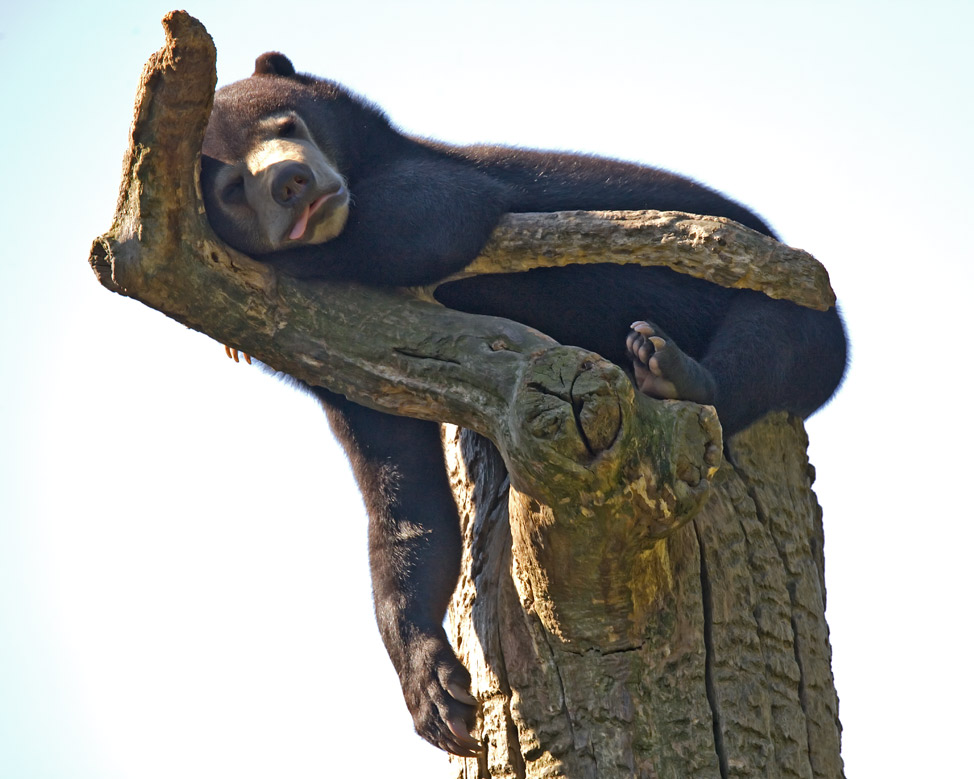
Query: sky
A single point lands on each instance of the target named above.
(183, 579)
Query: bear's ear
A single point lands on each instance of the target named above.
(273, 63)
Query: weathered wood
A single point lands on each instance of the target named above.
(723, 666)
(708, 247)
(607, 637)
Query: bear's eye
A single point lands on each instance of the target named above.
(234, 193)
(287, 129)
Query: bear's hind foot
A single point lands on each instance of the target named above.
(663, 370)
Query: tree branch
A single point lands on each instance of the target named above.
(566, 421)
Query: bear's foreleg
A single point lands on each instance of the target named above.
(414, 552)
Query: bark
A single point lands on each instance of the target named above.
(607, 636)
(704, 654)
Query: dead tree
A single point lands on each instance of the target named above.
(632, 603)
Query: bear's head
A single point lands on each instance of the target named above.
(270, 166)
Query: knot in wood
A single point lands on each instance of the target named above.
(568, 404)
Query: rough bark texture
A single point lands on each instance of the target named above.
(708, 247)
(704, 654)
(607, 636)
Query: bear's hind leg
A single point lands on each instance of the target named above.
(773, 355)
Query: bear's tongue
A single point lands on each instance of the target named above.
(302, 224)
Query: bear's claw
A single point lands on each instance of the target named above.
(234, 355)
(468, 744)
(461, 694)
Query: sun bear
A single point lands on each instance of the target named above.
(301, 174)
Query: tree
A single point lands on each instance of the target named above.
(633, 603)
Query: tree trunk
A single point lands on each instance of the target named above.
(608, 631)
(715, 662)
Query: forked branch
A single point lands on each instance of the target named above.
(568, 423)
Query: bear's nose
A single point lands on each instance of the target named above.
(289, 182)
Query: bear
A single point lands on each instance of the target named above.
(300, 173)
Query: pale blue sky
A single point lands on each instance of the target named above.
(183, 583)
